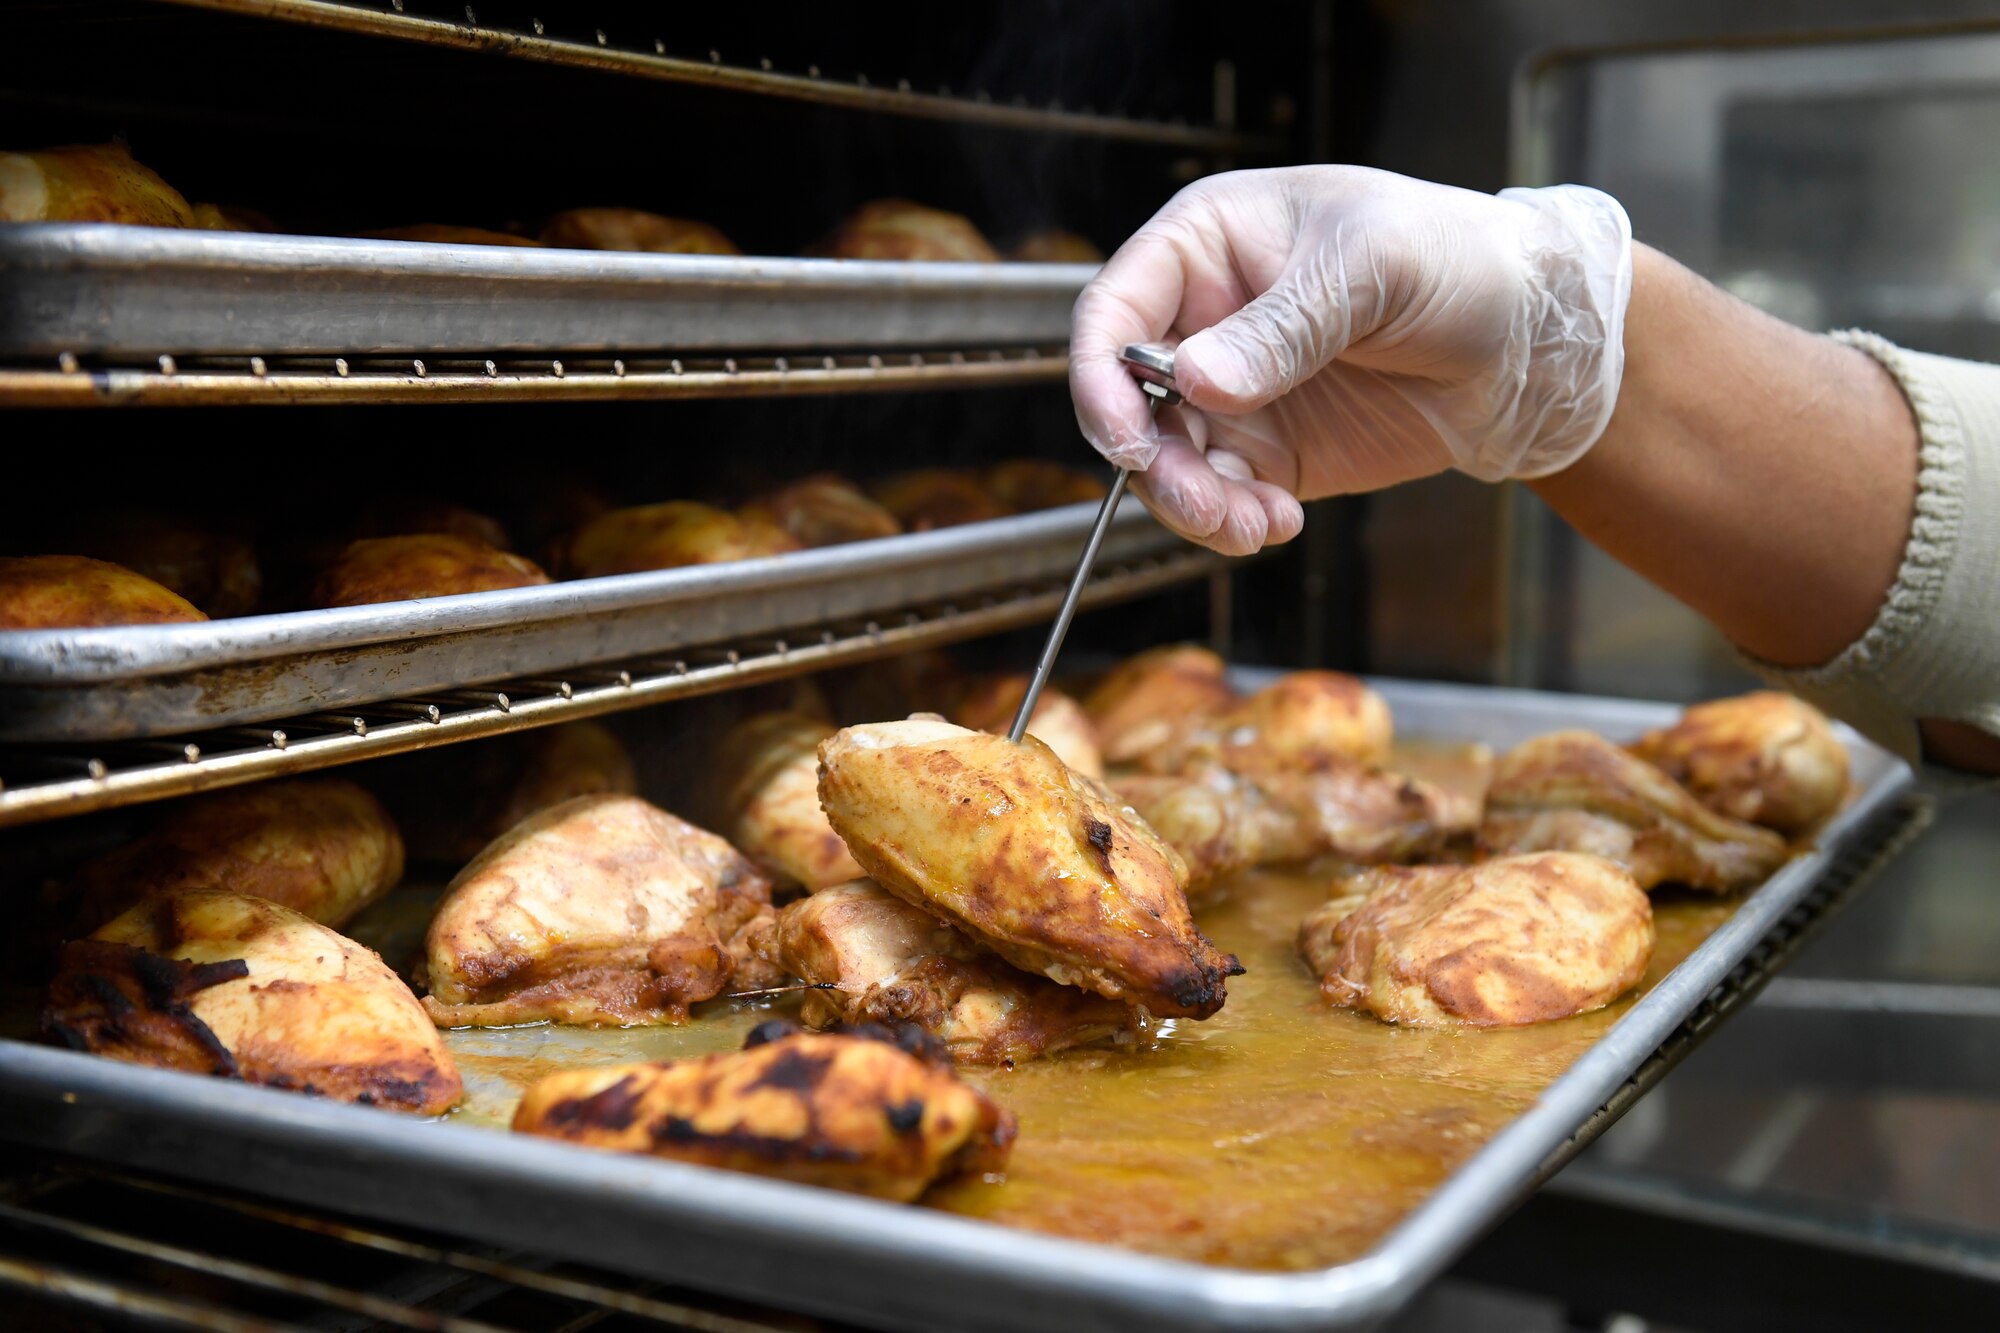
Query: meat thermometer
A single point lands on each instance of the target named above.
(1153, 366)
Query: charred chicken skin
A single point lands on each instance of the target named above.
(1575, 791)
(824, 510)
(932, 498)
(74, 591)
(1302, 721)
(1765, 757)
(1036, 862)
(430, 564)
(1145, 701)
(601, 910)
(889, 962)
(899, 229)
(1059, 721)
(88, 183)
(845, 1112)
(1520, 939)
(224, 984)
(771, 808)
(666, 536)
(634, 229)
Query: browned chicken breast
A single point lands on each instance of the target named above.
(1302, 721)
(1059, 721)
(87, 183)
(223, 984)
(320, 846)
(602, 910)
(1574, 791)
(890, 962)
(770, 781)
(443, 233)
(1765, 757)
(634, 229)
(214, 571)
(665, 536)
(1040, 864)
(824, 510)
(936, 498)
(1148, 699)
(899, 229)
(453, 801)
(429, 564)
(69, 591)
(1026, 484)
(1521, 939)
(1056, 246)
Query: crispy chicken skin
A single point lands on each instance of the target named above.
(890, 962)
(1575, 791)
(1059, 721)
(770, 781)
(87, 183)
(216, 572)
(1028, 484)
(1053, 245)
(1521, 939)
(427, 564)
(899, 229)
(1765, 757)
(634, 229)
(601, 910)
(1302, 721)
(75, 591)
(824, 510)
(846, 1112)
(1143, 703)
(665, 536)
(224, 984)
(1041, 865)
(932, 498)
(320, 846)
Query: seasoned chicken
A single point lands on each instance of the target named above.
(87, 183)
(1765, 757)
(225, 984)
(824, 510)
(1056, 246)
(931, 498)
(1574, 791)
(1027, 484)
(1148, 699)
(320, 846)
(214, 571)
(890, 962)
(1221, 822)
(1038, 863)
(853, 1113)
(601, 910)
(430, 564)
(1059, 721)
(1302, 721)
(634, 229)
(1521, 939)
(899, 229)
(453, 801)
(443, 233)
(65, 591)
(664, 536)
(770, 804)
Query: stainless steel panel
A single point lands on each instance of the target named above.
(891, 1266)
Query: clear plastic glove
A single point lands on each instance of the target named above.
(1341, 330)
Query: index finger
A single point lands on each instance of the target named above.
(1135, 297)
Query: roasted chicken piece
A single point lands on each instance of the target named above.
(443, 233)
(1056, 246)
(855, 1113)
(1765, 757)
(1146, 700)
(1028, 484)
(233, 217)
(931, 498)
(1302, 721)
(320, 846)
(889, 962)
(1574, 791)
(1059, 721)
(69, 591)
(634, 229)
(409, 515)
(431, 564)
(87, 183)
(601, 910)
(824, 510)
(899, 229)
(225, 984)
(214, 571)
(453, 801)
(665, 536)
(770, 803)
(1520, 939)
(1038, 863)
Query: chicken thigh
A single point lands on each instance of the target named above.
(1059, 721)
(1300, 722)
(1145, 701)
(74, 591)
(824, 510)
(931, 498)
(899, 229)
(427, 564)
(1764, 757)
(770, 785)
(669, 535)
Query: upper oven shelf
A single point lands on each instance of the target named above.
(647, 56)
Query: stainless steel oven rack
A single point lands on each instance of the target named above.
(49, 782)
(643, 55)
(167, 381)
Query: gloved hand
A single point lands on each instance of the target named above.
(1341, 330)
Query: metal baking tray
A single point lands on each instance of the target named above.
(911, 1268)
(149, 680)
(98, 289)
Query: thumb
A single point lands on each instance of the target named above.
(1272, 345)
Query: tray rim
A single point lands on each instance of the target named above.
(1098, 1284)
